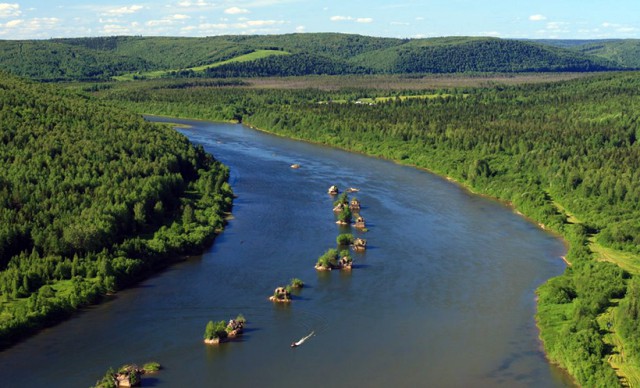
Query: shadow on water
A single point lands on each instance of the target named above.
(295, 297)
(150, 381)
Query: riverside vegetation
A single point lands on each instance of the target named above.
(546, 148)
(92, 198)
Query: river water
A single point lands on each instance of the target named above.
(443, 297)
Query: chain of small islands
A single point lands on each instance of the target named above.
(338, 258)
(335, 258)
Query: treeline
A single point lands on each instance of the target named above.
(573, 143)
(92, 198)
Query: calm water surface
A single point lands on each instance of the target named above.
(444, 296)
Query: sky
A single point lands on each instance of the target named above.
(531, 19)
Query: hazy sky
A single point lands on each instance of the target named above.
(585, 19)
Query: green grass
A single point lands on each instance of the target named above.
(258, 54)
(627, 372)
(374, 100)
(255, 55)
(625, 260)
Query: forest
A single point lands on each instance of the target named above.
(92, 198)
(102, 58)
(566, 154)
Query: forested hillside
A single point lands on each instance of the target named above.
(91, 199)
(546, 148)
(461, 55)
(325, 53)
(624, 52)
(52, 61)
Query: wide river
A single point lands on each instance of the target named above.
(443, 297)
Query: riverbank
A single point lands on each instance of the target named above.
(118, 223)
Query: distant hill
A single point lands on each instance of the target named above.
(316, 53)
(54, 61)
(459, 55)
(623, 52)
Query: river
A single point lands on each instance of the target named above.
(443, 296)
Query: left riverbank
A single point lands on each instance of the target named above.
(94, 200)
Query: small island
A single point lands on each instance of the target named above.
(359, 244)
(281, 295)
(346, 262)
(360, 223)
(344, 217)
(332, 259)
(328, 261)
(127, 375)
(296, 283)
(341, 203)
(333, 190)
(354, 205)
(217, 332)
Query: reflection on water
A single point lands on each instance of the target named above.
(443, 297)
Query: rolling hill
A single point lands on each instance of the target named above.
(313, 53)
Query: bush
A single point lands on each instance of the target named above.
(151, 367)
(345, 215)
(296, 283)
(215, 330)
(344, 239)
(329, 259)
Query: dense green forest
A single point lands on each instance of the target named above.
(101, 58)
(461, 55)
(547, 149)
(92, 198)
(625, 52)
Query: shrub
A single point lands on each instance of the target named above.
(345, 215)
(344, 239)
(297, 283)
(151, 367)
(328, 259)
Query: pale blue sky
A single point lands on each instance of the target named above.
(561, 19)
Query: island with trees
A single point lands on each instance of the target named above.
(129, 375)
(221, 331)
(281, 295)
